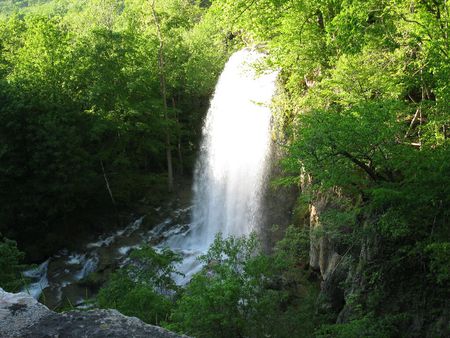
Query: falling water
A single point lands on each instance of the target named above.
(230, 174)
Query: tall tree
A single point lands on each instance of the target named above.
(162, 81)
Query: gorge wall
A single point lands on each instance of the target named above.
(343, 273)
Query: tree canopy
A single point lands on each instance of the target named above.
(84, 126)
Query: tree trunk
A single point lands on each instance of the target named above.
(162, 83)
(180, 154)
(107, 184)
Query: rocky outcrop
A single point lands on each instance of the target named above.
(22, 316)
(332, 266)
(322, 255)
(326, 261)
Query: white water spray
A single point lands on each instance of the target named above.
(230, 175)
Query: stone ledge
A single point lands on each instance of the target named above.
(22, 316)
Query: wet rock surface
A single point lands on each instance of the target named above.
(22, 316)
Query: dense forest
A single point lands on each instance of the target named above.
(91, 116)
(101, 107)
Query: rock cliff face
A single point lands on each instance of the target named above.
(22, 316)
(342, 274)
(322, 255)
(324, 258)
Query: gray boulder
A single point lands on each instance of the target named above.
(22, 316)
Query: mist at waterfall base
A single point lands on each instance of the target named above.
(228, 187)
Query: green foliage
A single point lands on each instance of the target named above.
(145, 287)
(371, 129)
(367, 326)
(83, 125)
(439, 253)
(243, 292)
(217, 301)
(239, 292)
(293, 248)
(365, 113)
(140, 301)
(11, 266)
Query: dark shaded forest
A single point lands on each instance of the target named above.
(85, 126)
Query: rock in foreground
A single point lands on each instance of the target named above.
(22, 316)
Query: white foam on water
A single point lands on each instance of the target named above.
(40, 274)
(89, 265)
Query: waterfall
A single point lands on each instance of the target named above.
(228, 188)
(231, 170)
(230, 175)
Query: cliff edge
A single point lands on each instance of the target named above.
(22, 316)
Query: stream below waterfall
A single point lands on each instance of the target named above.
(63, 279)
